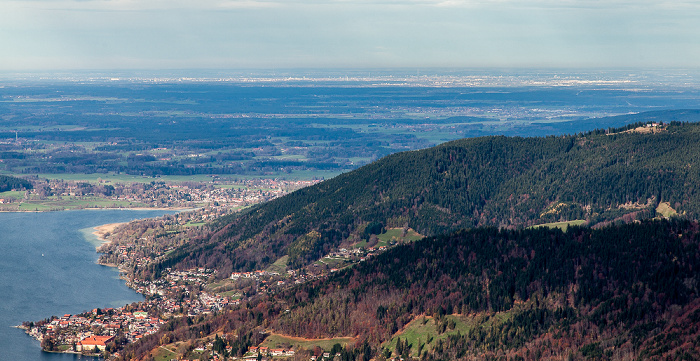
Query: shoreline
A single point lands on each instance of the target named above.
(179, 209)
(102, 234)
(103, 231)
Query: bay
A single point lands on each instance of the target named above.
(48, 267)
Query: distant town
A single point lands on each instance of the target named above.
(58, 194)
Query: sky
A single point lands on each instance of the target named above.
(269, 34)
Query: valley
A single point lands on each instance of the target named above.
(343, 268)
(347, 220)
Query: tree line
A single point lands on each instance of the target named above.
(598, 177)
(621, 290)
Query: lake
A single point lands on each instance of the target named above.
(48, 267)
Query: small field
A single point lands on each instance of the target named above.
(163, 353)
(393, 234)
(53, 203)
(12, 195)
(648, 129)
(331, 262)
(225, 288)
(396, 234)
(665, 210)
(280, 341)
(424, 331)
(280, 266)
(124, 178)
(562, 225)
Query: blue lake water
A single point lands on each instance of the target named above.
(47, 267)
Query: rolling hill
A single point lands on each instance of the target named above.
(597, 178)
(620, 283)
(625, 291)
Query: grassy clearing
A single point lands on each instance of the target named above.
(234, 294)
(164, 354)
(224, 288)
(360, 244)
(231, 186)
(562, 225)
(665, 210)
(217, 285)
(279, 341)
(53, 203)
(331, 262)
(12, 194)
(424, 331)
(396, 234)
(300, 175)
(392, 234)
(28, 207)
(280, 266)
(427, 331)
(125, 178)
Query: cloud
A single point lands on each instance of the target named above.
(278, 33)
(136, 5)
(147, 5)
(248, 4)
(558, 4)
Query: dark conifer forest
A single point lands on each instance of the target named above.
(619, 292)
(487, 283)
(509, 182)
(8, 183)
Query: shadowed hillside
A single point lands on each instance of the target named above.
(598, 177)
(620, 292)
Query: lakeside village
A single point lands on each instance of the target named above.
(55, 194)
(191, 293)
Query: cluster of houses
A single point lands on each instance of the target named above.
(173, 285)
(352, 255)
(96, 329)
(251, 192)
(84, 332)
(346, 253)
(252, 275)
(270, 282)
(93, 343)
(125, 258)
(161, 194)
(323, 356)
(176, 293)
(253, 351)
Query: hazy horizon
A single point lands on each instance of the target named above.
(630, 79)
(60, 35)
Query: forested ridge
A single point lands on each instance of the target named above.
(8, 183)
(627, 288)
(626, 291)
(481, 285)
(600, 177)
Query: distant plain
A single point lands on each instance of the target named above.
(138, 129)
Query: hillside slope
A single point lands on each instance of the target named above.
(488, 181)
(627, 289)
(619, 292)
